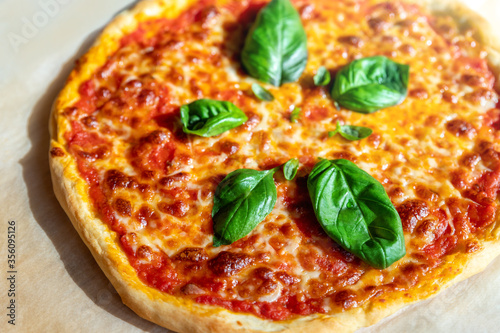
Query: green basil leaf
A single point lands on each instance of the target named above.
(322, 77)
(351, 132)
(275, 49)
(242, 200)
(262, 93)
(206, 117)
(356, 212)
(295, 115)
(337, 106)
(332, 133)
(370, 84)
(290, 169)
(354, 133)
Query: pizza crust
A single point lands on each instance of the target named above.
(184, 315)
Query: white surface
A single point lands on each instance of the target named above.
(59, 287)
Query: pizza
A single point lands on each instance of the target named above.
(282, 166)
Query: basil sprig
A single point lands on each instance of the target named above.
(355, 211)
(275, 49)
(242, 200)
(290, 169)
(262, 93)
(322, 77)
(351, 132)
(370, 84)
(206, 117)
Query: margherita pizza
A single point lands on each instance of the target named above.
(282, 166)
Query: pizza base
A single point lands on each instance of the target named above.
(184, 315)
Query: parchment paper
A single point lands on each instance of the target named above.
(58, 285)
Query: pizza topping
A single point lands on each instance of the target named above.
(450, 97)
(242, 200)
(290, 169)
(472, 246)
(97, 153)
(370, 84)
(207, 16)
(295, 114)
(351, 40)
(178, 209)
(144, 252)
(419, 93)
(117, 179)
(411, 212)
(275, 49)
(489, 155)
(56, 152)
(425, 193)
(192, 289)
(474, 80)
(377, 24)
(229, 263)
(123, 207)
(192, 254)
(351, 133)
(479, 96)
(460, 127)
(322, 77)
(147, 215)
(408, 49)
(90, 122)
(207, 117)
(354, 209)
(262, 93)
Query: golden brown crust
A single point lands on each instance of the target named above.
(184, 315)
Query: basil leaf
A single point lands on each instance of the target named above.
(295, 115)
(370, 84)
(332, 133)
(356, 212)
(206, 117)
(354, 133)
(275, 49)
(262, 93)
(242, 200)
(351, 132)
(290, 169)
(322, 77)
